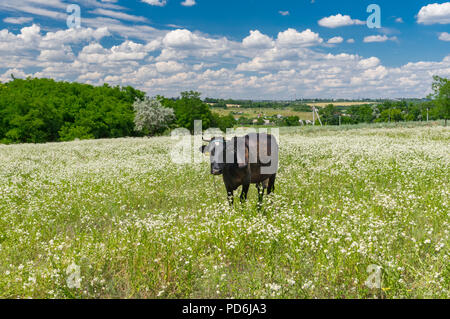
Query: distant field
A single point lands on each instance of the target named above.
(253, 112)
(340, 103)
(139, 226)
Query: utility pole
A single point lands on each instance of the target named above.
(318, 117)
(316, 113)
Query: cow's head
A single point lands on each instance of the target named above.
(223, 152)
(216, 150)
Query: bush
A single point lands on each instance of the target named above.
(292, 121)
(151, 117)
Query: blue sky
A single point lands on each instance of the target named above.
(234, 19)
(244, 49)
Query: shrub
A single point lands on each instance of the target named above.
(151, 117)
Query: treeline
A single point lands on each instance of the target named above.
(249, 104)
(386, 112)
(190, 107)
(437, 108)
(43, 110)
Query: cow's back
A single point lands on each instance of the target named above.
(264, 148)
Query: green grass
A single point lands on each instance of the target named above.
(254, 112)
(140, 226)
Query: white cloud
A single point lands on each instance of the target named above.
(108, 14)
(183, 39)
(118, 15)
(127, 51)
(339, 20)
(169, 67)
(399, 20)
(375, 38)
(444, 36)
(369, 63)
(378, 38)
(351, 41)
(55, 39)
(29, 34)
(377, 73)
(53, 9)
(293, 38)
(188, 3)
(169, 62)
(93, 53)
(135, 31)
(159, 3)
(257, 40)
(20, 20)
(91, 76)
(63, 54)
(335, 40)
(284, 13)
(18, 73)
(434, 14)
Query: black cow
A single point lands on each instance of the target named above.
(251, 159)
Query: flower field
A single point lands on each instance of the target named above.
(117, 219)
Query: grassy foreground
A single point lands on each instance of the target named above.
(139, 226)
(254, 112)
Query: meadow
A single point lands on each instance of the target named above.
(132, 224)
(288, 111)
(323, 104)
(254, 112)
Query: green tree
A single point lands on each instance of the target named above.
(330, 115)
(441, 88)
(361, 113)
(390, 115)
(291, 121)
(221, 104)
(43, 110)
(223, 122)
(190, 108)
(151, 117)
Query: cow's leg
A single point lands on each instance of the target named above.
(230, 196)
(271, 186)
(260, 194)
(265, 185)
(244, 192)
